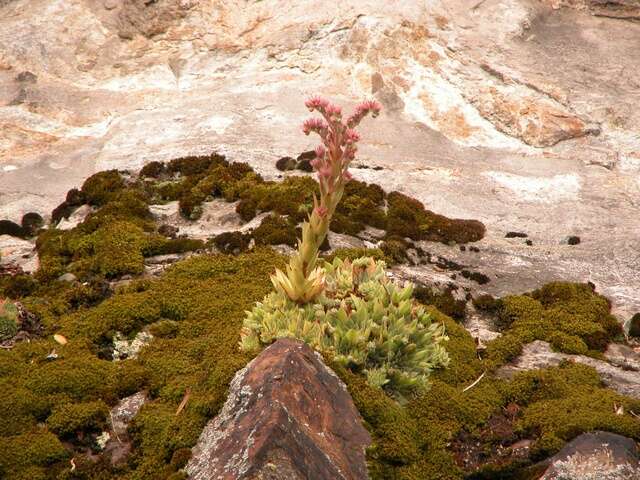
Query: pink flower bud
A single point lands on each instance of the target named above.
(315, 163)
(313, 125)
(316, 103)
(321, 211)
(347, 176)
(371, 106)
(351, 136)
(333, 110)
(325, 172)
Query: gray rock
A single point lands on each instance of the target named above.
(116, 441)
(123, 348)
(623, 356)
(125, 411)
(341, 240)
(67, 277)
(595, 456)
(19, 254)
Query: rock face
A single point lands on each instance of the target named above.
(287, 417)
(118, 444)
(17, 255)
(595, 456)
(621, 9)
(526, 106)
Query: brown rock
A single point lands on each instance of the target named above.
(623, 9)
(150, 18)
(287, 417)
(536, 121)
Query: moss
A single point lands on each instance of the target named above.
(276, 230)
(478, 277)
(130, 205)
(634, 325)
(171, 191)
(195, 165)
(19, 286)
(407, 217)
(8, 227)
(571, 316)
(361, 205)
(410, 442)
(118, 250)
(195, 310)
(504, 349)
(164, 329)
(564, 342)
(32, 222)
(443, 301)
(24, 452)
(555, 405)
(232, 242)
(86, 248)
(8, 327)
(73, 200)
(220, 180)
(395, 249)
(563, 402)
(291, 197)
(71, 418)
(153, 170)
(247, 208)
(286, 163)
(514, 307)
(486, 303)
(176, 245)
(180, 458)
(98, 189)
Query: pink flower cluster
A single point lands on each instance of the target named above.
(339, 139)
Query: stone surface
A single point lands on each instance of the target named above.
(76, 218)
(287, 417)
(538, 354)
(16, 253)
(595, 456)
(623, 356)
(619, 9)
(218, 216)
(118, 443)
(124, 348)
(500, 99)
(67, 277)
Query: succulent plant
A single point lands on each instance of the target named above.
(8, 320)
(302, 282)
(362, 319)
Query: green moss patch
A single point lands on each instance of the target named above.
(277, 230)
(571, 316)
(197, 309)
(407, 217)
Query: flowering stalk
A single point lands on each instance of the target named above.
(303, 281)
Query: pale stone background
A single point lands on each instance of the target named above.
(520, 113)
